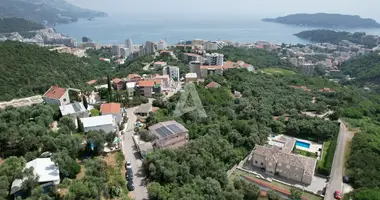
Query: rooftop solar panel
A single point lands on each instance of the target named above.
(175, 128)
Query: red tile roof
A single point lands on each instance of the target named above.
(212, 85)
(110, 108)
(55, 92)
(192, 54)
(132, 76)
(116, 80)
(148, 83)
(160, 63)
(91, 82)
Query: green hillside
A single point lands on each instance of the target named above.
(28, 69)
(8, 25)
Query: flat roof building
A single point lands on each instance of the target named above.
(105, 122)
(169, 134)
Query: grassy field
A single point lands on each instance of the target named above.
(278, 71)
(237, 173)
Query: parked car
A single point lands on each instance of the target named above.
(129, 174)
(130, 186)
(337, 194)
(346, 179)
(128, 165)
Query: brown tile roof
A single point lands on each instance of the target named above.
(55, 92)
(91, 82)
(110, 108)
(192, 54)
(229, 65)
(147, 83)
(211, 67)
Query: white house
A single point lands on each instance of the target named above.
(75, 110)
(113, 109)
(131, 88)
(106, 123)
(46, 170)
(56, 95)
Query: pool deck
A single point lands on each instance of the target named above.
(314, 147)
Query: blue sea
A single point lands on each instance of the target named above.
(115, 29)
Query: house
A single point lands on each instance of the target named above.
(56, 95)
(213, 85)
(172, 71)
(165, 81)
(118, 84)
(159, 65)
(131, 88)
(113, 109)
(277, 158)
(91, 82)
(46, 170)
(105, 123)
(149, 87)
(169, 134)
(134, 77)
(143, 110)
(191, 77)
(74, 110)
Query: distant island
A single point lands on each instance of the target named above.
(48, 12)
(325, 20)
(336, 37)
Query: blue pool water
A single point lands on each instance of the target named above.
(302, 144)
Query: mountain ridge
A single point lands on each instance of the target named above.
(325, 20)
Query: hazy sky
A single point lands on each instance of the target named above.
(232, 8)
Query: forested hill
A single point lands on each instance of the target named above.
(365, 69)
(26, 70)
(9, 25)
(336, 37)
(46, 11)
(325, 20)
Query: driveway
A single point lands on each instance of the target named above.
(336, 182)
(131, 154)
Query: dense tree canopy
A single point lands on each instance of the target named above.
(9, 25)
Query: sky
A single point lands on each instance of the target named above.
(231, 8)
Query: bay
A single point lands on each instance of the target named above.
(115, 29)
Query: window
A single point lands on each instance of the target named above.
(64, 100)
(255, 161)
(262, 164)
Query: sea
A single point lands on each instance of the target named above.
(116, 29)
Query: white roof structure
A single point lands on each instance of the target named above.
(72, 108)
(97, 121)
(191, 75)
(44, 168)
(131, 84)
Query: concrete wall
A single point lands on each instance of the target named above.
(257, 160)
(290, 172)
(106, 128)
(172, 140)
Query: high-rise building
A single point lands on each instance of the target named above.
(195, 67)
(115, 50)
(150, 47)
(129, 44)
(124, 52)
(215, 59)
(162, 45)
(210, 46)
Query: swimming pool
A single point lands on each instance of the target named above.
(302, 144)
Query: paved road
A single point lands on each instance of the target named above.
(146, 67)
(336, 174)
(131, 154)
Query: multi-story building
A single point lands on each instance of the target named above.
(172, 71)
(124, 52)
(197, 42)
(169, 134)
(56, 95)
(277, 158)
(294, 61)
(301, 60)
(118, 84)
(129, 44)
(115, 50)
(210, 46)
(113, 109)
(150, 47)
(207, 70)
(307, 68)
(162, 45)
(165, 81)
(195, 67)
(159, 65)
(191, 77)
(188, 57)
(214, 59)
(131, 88)
(148, 87)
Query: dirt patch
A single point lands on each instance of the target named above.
(110, 159)
(82, 172)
